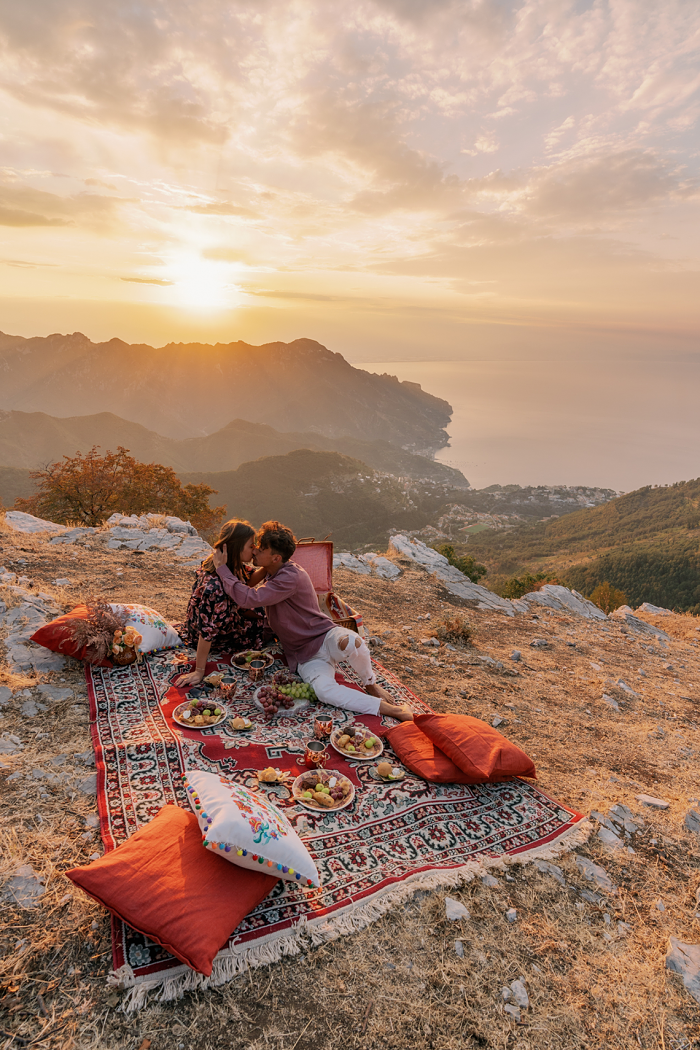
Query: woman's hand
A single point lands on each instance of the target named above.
(219, 557)
(193, 678)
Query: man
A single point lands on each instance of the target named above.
(311, 641)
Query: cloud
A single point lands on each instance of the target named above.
(17, 217)
(23, 204)
(146, 280)
(221, 208)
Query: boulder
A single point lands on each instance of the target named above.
(684, 959)
(21, 522)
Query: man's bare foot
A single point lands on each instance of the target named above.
(387, 706)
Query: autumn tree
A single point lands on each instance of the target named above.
(89, 488)
(607, 597)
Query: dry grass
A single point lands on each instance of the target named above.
(400, 983)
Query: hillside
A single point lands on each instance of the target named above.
(590, 944)
(33, 439)
(183, 390)
(320, 493)
(646, 543)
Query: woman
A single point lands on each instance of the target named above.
(214, 619)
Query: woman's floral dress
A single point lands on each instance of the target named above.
(214, 616)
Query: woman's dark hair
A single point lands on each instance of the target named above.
(278, 538)
(235, 534)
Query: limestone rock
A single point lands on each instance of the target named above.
(655, 803)
(654, 610)
(594, 873)
(551, 869)
(454, 580)
(692, 821)
(684, 959)
(554, 596)
(71, 535)
(626, 616)
(381, 565)
(455, 910)
(24, 887)
(345, 560)
(21, 522)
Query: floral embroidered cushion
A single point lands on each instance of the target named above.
(156, 633)
(162, 883)
(246, 828)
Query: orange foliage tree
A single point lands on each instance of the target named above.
(89, 488)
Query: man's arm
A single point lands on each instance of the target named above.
(269, 593)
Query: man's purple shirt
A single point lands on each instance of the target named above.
(291, 605)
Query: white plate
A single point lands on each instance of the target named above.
(324, 775)
(188, 723)
(299, 705)
(357, 756)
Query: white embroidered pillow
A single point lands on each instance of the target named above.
(154, 630)
(247, 829)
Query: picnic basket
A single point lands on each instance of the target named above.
(316, 556)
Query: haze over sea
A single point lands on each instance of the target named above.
(618, 423)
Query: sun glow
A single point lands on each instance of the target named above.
(201, 284)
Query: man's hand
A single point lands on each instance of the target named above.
(219, 557)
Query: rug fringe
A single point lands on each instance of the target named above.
(235, 960)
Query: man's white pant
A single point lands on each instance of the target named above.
(339, 645)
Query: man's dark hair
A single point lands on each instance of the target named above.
(278, 538)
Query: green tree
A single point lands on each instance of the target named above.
(517, 586)
(89, 488)
(607, 597)
(464, 562)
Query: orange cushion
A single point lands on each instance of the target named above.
(57, 636)
(163, 883)
(419, 754)
(477, 748)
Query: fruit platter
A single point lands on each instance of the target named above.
(243, 660)
(288, 696)
(386, 772)
(356, 742)
(200, 713)
(323, 789)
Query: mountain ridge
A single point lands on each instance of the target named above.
(188, 389)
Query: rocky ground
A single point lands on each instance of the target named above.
(609, 715)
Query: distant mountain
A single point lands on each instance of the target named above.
(33, 439)
(317, 493)
(185, 390)
(14, 483)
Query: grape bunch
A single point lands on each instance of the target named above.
(271, 699)
(283, 677)
(298, 691)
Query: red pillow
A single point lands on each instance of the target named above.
(162, 882)
(419, 754)
(477, 748)
(57, 636)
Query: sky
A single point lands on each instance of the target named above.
(408, 181)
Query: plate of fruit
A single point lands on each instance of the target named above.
(386, 772)
(323, 789)
(243, 660)
(290, 698)
(356, 742)
(200, 713)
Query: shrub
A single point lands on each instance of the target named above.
(88, 489)
(464, 562)
(454, 629)
(607, 597)
(517, 586)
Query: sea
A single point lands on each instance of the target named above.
(619, 424)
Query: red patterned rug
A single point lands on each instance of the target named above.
(394, 839)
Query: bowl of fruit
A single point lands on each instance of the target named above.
(356, 742)
(290, 698)
(323, 789)
(200, 713)
(243, 660)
